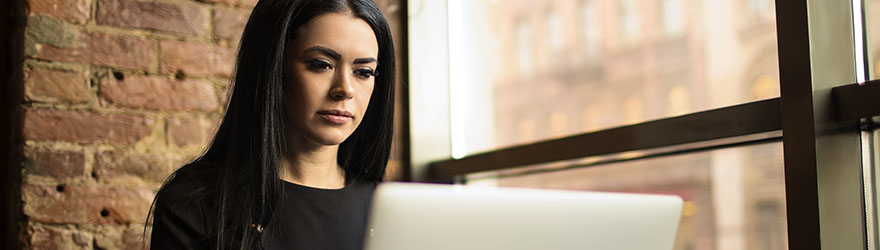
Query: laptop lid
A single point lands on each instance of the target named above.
(407, 216)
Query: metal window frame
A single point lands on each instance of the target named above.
(824, 190)
(819, 113)
(738, 120)
(856, 101)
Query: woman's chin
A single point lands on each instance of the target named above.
(330, 139)
(331, 142)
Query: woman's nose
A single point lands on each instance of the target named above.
(342, 87)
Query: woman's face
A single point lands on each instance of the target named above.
(330, 66)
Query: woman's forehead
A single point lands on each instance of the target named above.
(348, 35)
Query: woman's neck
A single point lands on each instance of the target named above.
(316, 168)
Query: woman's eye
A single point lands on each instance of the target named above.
(319, 65)
(365, 73)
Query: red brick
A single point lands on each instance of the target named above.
(135, 238)
(47, 85)
(113, 164)
(120, 237)
(178, 17)
(184, 131)
(52, 163)
(196, 59)
(158, 93)
(74, 11)
(104, 50)
(241, 3)
(85, 127)
(86, 204)
(46, 237)
(49, 31)
(229, 23)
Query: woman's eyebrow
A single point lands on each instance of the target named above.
(336, 56)
(326, 51)
(364, 60)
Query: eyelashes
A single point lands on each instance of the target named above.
(365, 72)
(320, 65)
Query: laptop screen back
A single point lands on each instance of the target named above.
(429, 216)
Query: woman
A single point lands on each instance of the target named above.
(304, 141)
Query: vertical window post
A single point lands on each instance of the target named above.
(822, 158)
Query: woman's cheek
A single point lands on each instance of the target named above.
(365, 102)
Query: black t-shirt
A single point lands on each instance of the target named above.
(311, 218)
(305, 218)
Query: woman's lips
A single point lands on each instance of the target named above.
(336, 116)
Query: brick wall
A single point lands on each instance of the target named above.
(117, 94)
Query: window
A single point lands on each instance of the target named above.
(871, 137)
(590, 35)
(733, 196)
(758, 9)
(711, 99)
(629, 21)
(673, 16)
(504, 104)
(524, 58)
(871, 146)
(554, 33)
(872, 21)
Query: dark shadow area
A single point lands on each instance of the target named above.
(12, 25)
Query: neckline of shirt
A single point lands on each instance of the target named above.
(347, 184)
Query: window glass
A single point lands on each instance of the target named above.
(628, 18)
(533, 70)
(734, 197)
(872, 27)
(589, 30)
(524, 48)
(672, 16)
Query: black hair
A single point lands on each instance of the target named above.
(245, 154)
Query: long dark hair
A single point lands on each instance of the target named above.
(244, 156)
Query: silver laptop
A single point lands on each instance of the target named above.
(407, 216)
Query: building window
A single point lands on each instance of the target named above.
(554, 32)
(590, 29)
(629, 20)
(758, 10)
(673, 17)
(524, 57)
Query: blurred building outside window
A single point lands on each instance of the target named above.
(554, 32)
(625, 62)
(673, 17)
(697, 55)
(524, 57)
(588, 65)
(591, 42)
(629, 21)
